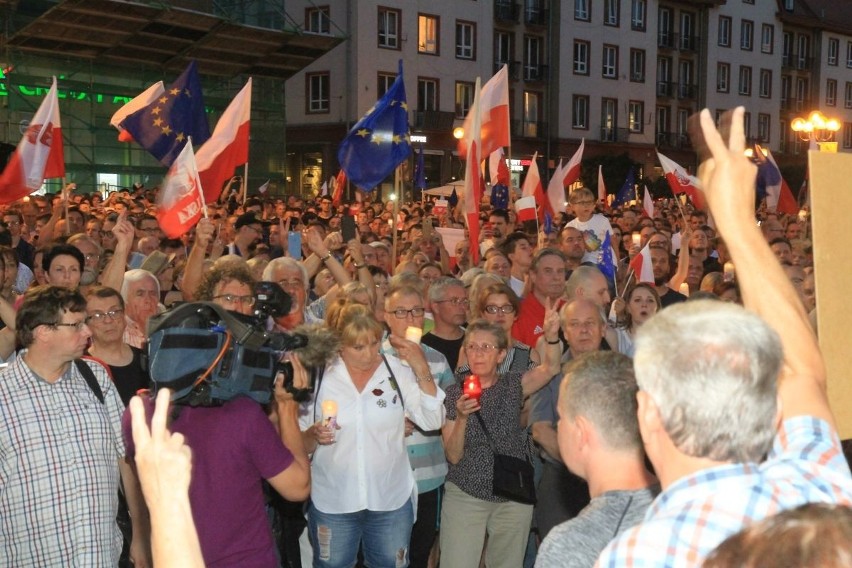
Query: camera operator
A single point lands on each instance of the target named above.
(235, 446)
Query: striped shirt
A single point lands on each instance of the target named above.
(59, 452)
(696, 513)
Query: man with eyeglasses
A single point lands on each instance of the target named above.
(26, 252)
(404, 309)
(61, 448)
(248, 231)
(449, 302)
(141, 293)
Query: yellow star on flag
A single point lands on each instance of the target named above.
(404, 105)
(155, 110)
(180, 137)
(363, 132)
(166, 130)
(158, 122)
(396, 139)
(175, 91)
(187, 93)
(377, 139)
(164, 99)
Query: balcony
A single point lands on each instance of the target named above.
(528, 129)
(614, 134)
(514, 66)
(432, 120)
(534, 73)
(666, 89)
(800, 105)
(689, 43)
(686, 91)
(793, 62)
(805, 63)
(508, 12)
(673, 140)
(535, 16)
(666, 40)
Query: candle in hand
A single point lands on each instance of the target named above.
(729, 272)
(413, 334)
(473, 388)
(637, 239)
(329, 414)
(684, 289)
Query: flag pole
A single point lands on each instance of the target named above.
(67, 197)
(245, 183)
(626, 282)
(397, 182)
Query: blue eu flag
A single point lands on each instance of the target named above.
(607, 265)
(164, 126)
(420, 171)
(380, 141)
(627, 190)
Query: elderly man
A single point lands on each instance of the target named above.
(141, 294)
(733, 408)
(449, 302)
(291, 275)
(589, 283)
(547, 283)
(562, 494)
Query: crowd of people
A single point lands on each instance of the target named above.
(659, 418)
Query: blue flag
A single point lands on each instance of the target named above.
(499, 196)
(607, 265)
(380, 141)
(548, 223)
(627, 190)
(453, 199)
(164, 126)
(420, 171)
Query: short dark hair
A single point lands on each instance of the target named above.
(781, 240)
(61, 249)
(500, 213)
(104, 292)
(43, 305)
(511, 241)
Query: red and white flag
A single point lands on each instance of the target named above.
(138, 102)
(532, 186)
(180, 202)
(525, 206)
(601, 185)
(472, 173)
(493, 129)
(571, 171)
(497, 168)
(556, 191)
(642, 267)
(228, 147)
(339, 185)
(682, 182)
(779, 197)
(648, 203)
(39, 155)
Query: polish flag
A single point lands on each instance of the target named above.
(641, 265)
(525, 206)
(228, 147)
(339, 184)
(532, 186)
(472, 178)
(138, 102)
(497, 168)
(648, 204)
(493, 116)
(780, 198)
(571, 171)
(39, 155)
(601, 185)
(682, 182)
(180, 202)
(556, 191)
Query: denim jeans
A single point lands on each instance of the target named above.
(383, 535)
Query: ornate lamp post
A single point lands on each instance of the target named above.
(818, 130)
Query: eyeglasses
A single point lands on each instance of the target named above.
(454, 301)
(77, 326)
(150, 230)
(588, 324)
(99, 317)
(415, 313)
(480, 348)
(584, 203)
(292, 284)
(506, 309)
(105, 233)
(13, 223)
(92, 257)
(234, 299)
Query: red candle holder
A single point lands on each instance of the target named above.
(473, 388)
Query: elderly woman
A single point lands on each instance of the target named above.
(471, 509)
(362, 484)
(641, 302)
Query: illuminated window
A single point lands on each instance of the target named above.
(427, 34)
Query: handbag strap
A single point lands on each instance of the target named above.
(394, 384)
(487, 433)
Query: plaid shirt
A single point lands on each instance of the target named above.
(59, 451)
(695, 514)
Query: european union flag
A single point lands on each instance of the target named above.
(627, 190)
(164, 126)
(607, 265)
(420, 171)
(380, 141)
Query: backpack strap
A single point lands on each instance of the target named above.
(89, 376)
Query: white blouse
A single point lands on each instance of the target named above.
(367, 466)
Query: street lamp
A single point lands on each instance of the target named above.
(817, 130)
(458, 132)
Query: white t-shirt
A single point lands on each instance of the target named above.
(594, 232)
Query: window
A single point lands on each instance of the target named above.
(662, 124)
(637, 65)
(688, 41)
(464, 98)
(665, 32)
(849, 54)
(611, 15)
(804, 51)
(831, 92)
(686, 87)
(465, 40)
(531, 115)
(638, 10)
(533, 70)
(427, 34)
(664, 77)
(765, 83)
(582, 11)
(635, 116)
(748, 1)
(767, 38)
(747, 124)
(317, 20)
(610, 61)
(580, 110)
(848, 99)
(847, 134)
(609, 119)
(385, 82)
(318, 92)
(581, 57)
(745, 80)
(787, 50)
(389, 28)
(723, 77)
(802, 91)
(427, 94)
(763, 126)
(833, 51)
(683, 122)
(724, 39)
(504, 49)
(747, 35)
(785, 91)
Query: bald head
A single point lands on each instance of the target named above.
(588, 283)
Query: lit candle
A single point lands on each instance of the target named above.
(729, 272)
(413, 334)
(637, 239)
(329, 414)
(684, 289)
(473, 388)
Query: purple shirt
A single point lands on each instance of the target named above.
(234, 448)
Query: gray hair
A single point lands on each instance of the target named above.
(601, 386)
(285, 262)
(564, 310)
(712, 369)
(136, 275)
(580, 278)
(440, 286)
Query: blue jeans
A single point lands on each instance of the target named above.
(384, 536)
